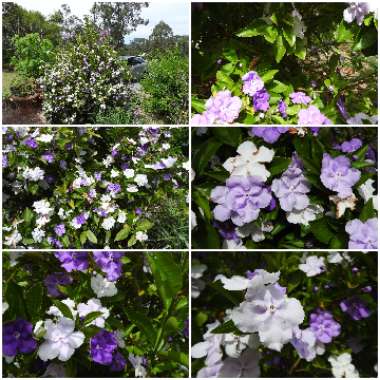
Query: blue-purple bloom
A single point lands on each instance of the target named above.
(114, 188)
(351, 145)
(268, 134)
(48, 157)
(110, 263)
(324, 326)
(31, 143)
(18, 338)
(355, 307)
(300, 97)
(342, 108)
(60, 229)
(312, 116)
(102, 346)
(118, 362)
(58, 278)
(282, 107)
(252, 83)
(261, 100)
(5, 160)
(71, 260)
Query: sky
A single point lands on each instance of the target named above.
(174, 13)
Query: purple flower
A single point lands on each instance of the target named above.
(337, 175)
(114, 152)
(356, 308)
(81, 219)
(102, 346)
(58, 278)
(167, 177)
(351, 145)
(63, 164)
(282, 108)
(227, 230)
(185, 330)
(5, 160)
(110, 263)
(223, 108)
(240, 200)
(315, 130)
(118, 362)
(114, 188)
(73, 260)
(291, 188)
(98, 176)
(18, 338)
(48, 157)
(300, 97)
(367, 289)
(252, 83)
(342, 108)
(31, 143)
(323, 325)
(312, 116)
(356, 11)
(60, 229)
(261, 100)
(202, 119)
(363, 235)
(138, 211)
(268, 134)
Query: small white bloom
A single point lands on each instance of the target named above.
(313, 265)
(309, 214)
(114, 173)
(5, 307)
(34, 175)
(91, 306)
(38, 235)
(334, 258)
(141, 179)
(141, 236)
(42, 207)
(102, 287)
(342, 366)
(45, 138)
(108, 223)
(366, 191)
(137, 363)
(108, 161)
(343, 203)
(132, 189)
(193, 220)
(197, 284)
(53, 310)
(12, 239)
(129, 173)
(122, 217)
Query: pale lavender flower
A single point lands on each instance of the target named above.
(252, 83)
(282, 108)
(351, 145)
(355, 307)
(356, 11)
(223, 108)
(300, 97)
(363, 235)
(268, 134)
(59, 229)
(324, 326)
(312, 116)
(261, 100)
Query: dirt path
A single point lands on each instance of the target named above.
(22, 113)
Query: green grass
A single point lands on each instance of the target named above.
(7, 80)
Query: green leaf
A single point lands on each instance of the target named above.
(365, 40)
(278, 87)
(123, 233)
(300, 51)
(212, 237)
(343, 34)
(198, 105)
(229, 136)
(132, 241)
(63, 308)
(360, 154)
(176, 356)
(289, 35)
(268, 75)
(322, 231)
(83, 237)
(91, 317)
(279, 49)
(204, 154)
(143, 322)
(167, 276)
(368, 211)
(278, 165)
(91, 236)
(33, 300)
(226, 328)
(201, 200)
(144, 225)
(27, 215)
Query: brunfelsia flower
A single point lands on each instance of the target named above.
(312, 116)
(52, 280)
(300, 97)
(313, 265)
(240, 200)
(223, 108)
(356, 11)
(341, 366)
(102, 287)
(355, 307)
(18, 338)
(269, 134)
(352, 145)
(71, 260)
(102, 347)
(118, 362)
(252, 83)
(60, 229)
(306, 344)
(337, 175)
(261, 100)
(282, 107)
(363, 235)
(110, 263)
(324, 326)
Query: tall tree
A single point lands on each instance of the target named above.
(118, 19)
(70, 24)
(161, 37)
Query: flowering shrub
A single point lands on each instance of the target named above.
(284, 314)
(86, 78)
(276, 63)
(100, 314)
(94, 187)
(268, 187)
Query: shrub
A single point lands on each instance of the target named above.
(115, 116)
(22, 86)
(166, 86)
(32, 54)
(87, 78)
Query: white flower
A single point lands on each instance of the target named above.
(234, 345)
(165, 146)
(42, 207)
(91, 306)
(53, 310)
(306, 344)
(102, 287)
(193, 220)
(34, 175)
(12, 239)
(366, 191)
(269, 311)
(343, 203)
(233, 283)
(132, 189)
(334, 258)
(129, 173)
(114, 173)
(137, 363)
(141, 179)
(257, 233)
(342, 366)
(250, 161)
(247, 366)
(299, 27)
(122, 217)
(359, 117)
(108, 223)
(38, 235)
(197, 285)
(141, 236)
(5, 307)
(60, 340)
(312, 265)
(108, 161)
(42, 220)
(356, 11)
(304, 216)
(233, 244)
(44, 138)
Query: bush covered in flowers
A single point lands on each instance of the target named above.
(275, 63)
(99, 314)
(95, 187)
(268, 187)
(85, 79)
(284, 314)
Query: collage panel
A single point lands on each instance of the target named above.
(284, 314)
(95, 187)
(276, 63)
(284, 188)
(92, 62)
(95, 314)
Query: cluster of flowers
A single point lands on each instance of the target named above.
(269, 318)
(224, 108)
(67, 186)
(87, 78)
(60, 335)
(247, 194)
